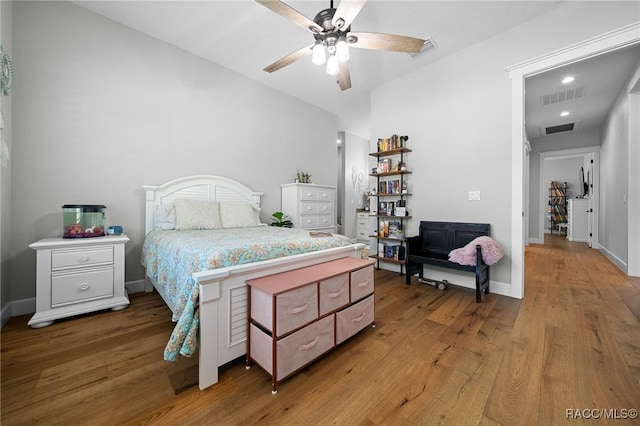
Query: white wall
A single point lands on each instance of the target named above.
(356, 180)
(457, 113)
(616, 187)
(100, 110)
(6, 39)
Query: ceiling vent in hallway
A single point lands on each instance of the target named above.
(560, 128)
(565, 95)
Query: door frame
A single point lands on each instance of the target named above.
(605, 43)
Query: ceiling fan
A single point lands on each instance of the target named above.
(331, 29)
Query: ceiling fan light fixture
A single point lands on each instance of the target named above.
(333, 65)
(342, 50)
(318, 55)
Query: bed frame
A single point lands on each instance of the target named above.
(223, 292)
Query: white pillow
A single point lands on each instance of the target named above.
(197, 214)
(164, 217)
(239, 215)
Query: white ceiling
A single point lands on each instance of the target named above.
(245, 37)
(601, 79)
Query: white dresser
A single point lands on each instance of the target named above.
(310, 206)
(79, 275)
(363, 226)
(577, 229)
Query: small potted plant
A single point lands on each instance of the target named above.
(281, 220)
(302, 177)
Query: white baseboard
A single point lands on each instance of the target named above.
(614, 259)
(466, 279)
(135, 286)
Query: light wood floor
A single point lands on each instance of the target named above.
(573, 343)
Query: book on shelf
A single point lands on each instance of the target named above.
(391, 143)
(384, 165)
(391, 251)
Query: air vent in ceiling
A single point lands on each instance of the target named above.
(565, 95)
(560, 128)
(428, 44)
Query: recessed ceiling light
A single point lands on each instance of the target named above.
(564, 113)
(338, 141)
(568, 79)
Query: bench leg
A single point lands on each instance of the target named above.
(482, 284)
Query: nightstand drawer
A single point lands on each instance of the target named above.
(74, 287)
(83, 257)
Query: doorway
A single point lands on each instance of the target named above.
(606, 43)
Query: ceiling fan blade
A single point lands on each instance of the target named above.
(291, 14)
(344, 77)
(346, 12)
(289, 59)
(395, 43)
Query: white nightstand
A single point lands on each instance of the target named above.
(76, 276)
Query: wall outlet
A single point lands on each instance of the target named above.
(474, 195)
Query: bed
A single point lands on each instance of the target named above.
(212, 309)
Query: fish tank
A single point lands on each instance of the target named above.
(83, 220)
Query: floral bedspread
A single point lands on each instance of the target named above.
(170, 257)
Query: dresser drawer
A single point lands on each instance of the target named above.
(296, 308)
(75, 287)
(325, 208)
(362, 234)
(334, 293)
(308, 207)
(361, 283)
(353, 319)
(308, 194)
(304, 346)
(325, 195)
(82, 257)
(316, 221)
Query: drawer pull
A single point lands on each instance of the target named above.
(363, 284)
(308, 346)
(84, 259)
(84, 287)
(336, 293)
(298, 309)
(309, 208)
(358, 319)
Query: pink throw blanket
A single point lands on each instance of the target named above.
(491, 252)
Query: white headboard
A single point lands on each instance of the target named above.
(198, 187)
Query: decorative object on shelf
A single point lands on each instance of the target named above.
(83, 220)
(331, 29)
(114, 230)
(281, 220)
(303, 177)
